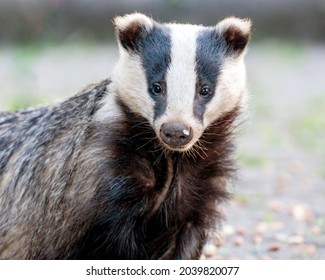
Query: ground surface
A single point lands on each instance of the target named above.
(278, 206)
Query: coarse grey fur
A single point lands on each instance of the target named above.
(44, 166)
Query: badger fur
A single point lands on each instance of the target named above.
(134, 166)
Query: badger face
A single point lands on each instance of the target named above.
(181, 78)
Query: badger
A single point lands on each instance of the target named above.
(135, 166)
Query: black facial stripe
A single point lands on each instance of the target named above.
(155, 53)
(210, 52)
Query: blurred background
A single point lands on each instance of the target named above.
(51, 49)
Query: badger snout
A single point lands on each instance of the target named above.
(176, 135)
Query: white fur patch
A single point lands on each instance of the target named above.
(230, 90)
(108, 111)
(128, 83)
(243, 24)
(131, 83)
(124, 21)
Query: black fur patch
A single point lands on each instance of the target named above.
(209, 58)
(125, 226)
(236, 40)
(155, 53)
(130, 36)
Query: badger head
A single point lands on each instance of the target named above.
(181, 78)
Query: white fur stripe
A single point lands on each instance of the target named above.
(181, 76)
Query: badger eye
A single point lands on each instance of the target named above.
(205, 91)
(156, 89)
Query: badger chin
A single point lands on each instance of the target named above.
(180, 149)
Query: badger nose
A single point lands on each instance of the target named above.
(176, 134)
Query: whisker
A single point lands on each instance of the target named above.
(198, 152)
(201, 141)
(201, 148)
(139, 134)
(201, 144)
(146, 143)
(160, 156)
(145, 124)
(191, 153)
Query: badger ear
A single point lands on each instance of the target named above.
(236, 34)
(130, 29)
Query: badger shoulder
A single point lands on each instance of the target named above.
(30, 132)
(86, 102)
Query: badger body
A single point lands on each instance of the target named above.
(132, 167)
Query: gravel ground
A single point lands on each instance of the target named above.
(277, 210)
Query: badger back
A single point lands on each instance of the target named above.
(45, 191)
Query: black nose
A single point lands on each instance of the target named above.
(176, 134)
